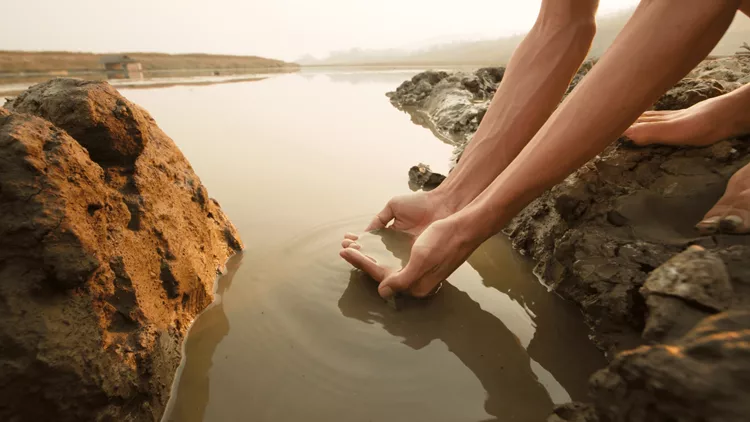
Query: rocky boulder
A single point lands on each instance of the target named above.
(421, 177)
(109, 248)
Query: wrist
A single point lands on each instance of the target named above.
(475, 224)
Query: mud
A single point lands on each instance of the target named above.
(676, 342)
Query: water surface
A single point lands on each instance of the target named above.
(295, 335)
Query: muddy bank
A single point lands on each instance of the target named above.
(109, 248)
(613, 237)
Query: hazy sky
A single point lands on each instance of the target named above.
(285, 29)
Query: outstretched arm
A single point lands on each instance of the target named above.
(660, 44)
(535, 81)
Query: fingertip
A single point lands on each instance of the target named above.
(385, 291)
(351, 236)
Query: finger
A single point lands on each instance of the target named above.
(364, 263)
(400, 281)
(382, 219)
(354, 245)
(351, 236)
(346, 242)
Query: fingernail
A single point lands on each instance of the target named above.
(730, 223)
(385, 292)
(708, 225)
(696, 248)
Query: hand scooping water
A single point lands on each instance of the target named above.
(389, 248)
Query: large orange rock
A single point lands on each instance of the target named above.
(109, 248)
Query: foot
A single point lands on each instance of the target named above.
(703, 124)
(732, 213)
(438, 251)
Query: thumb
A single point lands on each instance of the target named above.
(382, 218)
(398, 281)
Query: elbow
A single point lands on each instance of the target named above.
(585, 31)
(576, 34)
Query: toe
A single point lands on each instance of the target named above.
(736, 221)
(656, 116)
(726, 217)
(709, 225)
(651, 133)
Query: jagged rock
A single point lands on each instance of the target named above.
(109, 248)
(704, 376)
(689, 92)
(695, 276)
(421, 177)
(454, 104)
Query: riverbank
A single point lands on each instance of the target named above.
(611, 239)
(63, 63)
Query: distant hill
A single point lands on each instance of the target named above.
(498, 51)
(60, 61)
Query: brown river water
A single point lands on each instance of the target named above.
(295, 335)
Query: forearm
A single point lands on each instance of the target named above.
(663, 41)
(537, 77)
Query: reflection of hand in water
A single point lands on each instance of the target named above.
(477, 338)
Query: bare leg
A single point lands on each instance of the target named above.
(660, 44)
(536, 79)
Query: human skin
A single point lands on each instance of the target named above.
(661, 43)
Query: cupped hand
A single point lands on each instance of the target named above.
(437, 252)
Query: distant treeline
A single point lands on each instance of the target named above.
(61, 61)
(498, 51)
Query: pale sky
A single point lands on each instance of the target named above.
(285, 29)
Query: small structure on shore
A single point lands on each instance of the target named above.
(122, 67)
(744, 50)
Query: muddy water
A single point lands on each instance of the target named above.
(294, 334)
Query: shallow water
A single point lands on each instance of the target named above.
(296, 161)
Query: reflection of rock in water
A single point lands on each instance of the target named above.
(191, 390)
(476, 337)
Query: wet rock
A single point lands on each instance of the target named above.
(695, 276)
(96, 200)
(450, 104)
(574, 412)
(421, 177)
(689, 92)
(704, 376)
